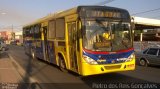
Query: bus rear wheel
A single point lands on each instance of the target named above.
(62, 65)
(3, 49)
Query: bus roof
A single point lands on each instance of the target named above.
(54, 15)
(72, 11)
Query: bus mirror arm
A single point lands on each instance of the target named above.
(132, 23)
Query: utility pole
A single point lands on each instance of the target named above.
(12, 33)
(12, 28)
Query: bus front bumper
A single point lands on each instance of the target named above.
(88, 69)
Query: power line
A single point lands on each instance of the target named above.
(157, 17)
(10, 26)
(104, 2)
(146, 11)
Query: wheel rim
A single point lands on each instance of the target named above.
(33, 55)
(142, 62)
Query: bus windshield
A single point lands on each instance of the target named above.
(104, 35)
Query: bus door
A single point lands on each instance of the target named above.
(72, 41)
(45, 48)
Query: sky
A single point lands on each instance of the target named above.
(16, 13)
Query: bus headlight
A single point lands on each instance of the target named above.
(130, 58)
(89, 60)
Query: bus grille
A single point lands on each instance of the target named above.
(112, 67)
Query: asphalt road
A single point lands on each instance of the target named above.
(50, 76)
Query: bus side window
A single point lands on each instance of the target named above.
(52, 29)
(60, 28)
(37, 33)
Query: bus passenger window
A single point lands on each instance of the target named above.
(52, 30)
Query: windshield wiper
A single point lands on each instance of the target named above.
(101, 24)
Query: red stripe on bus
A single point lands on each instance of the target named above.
(120, 51)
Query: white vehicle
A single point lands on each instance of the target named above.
(3, 46)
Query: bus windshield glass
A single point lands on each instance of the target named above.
(104, 35)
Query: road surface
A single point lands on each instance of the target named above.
(46, 74)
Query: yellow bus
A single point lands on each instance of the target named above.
(87, 40)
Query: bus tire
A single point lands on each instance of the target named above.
(25, 51)
(3, 49)
(62, 64)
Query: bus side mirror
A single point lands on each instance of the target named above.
(132, 23)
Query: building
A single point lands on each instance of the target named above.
(146, 33)
(6, 36)
(19, 37)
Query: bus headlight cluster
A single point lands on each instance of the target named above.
(89, 60)
(130, 58)
(122, 59)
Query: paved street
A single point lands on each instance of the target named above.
(40, 72)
